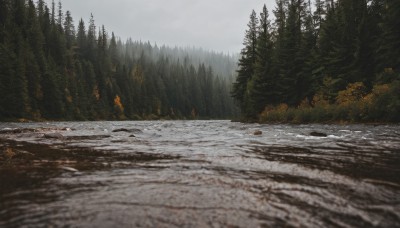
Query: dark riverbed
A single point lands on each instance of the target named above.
(198, 174)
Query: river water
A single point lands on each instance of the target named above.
(198, 174)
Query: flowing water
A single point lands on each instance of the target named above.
(198, 174)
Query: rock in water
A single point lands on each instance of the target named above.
(318, 134)
(127, 130)
(54, 136)
(258, 132)
(121, 130)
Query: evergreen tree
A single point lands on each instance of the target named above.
(262, 92)
(19, 87)
(52, 97)
(69, 30)
(113, 51)
(389, 38)
(279, 55)
(82, 39)
(91, 40)
(247, 60)
(307, 84)
(60, 17)
(7, 73)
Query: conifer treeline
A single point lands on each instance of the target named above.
(50, 70)
(333, 60)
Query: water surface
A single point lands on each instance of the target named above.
(198, 174)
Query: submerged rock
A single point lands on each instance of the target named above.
(318, 134)
(127, 130)
(86, 137)
(54, 136)
(258, 132)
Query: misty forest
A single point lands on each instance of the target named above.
(299, 129)
(330, 61)
(52, 70)
(310, 62)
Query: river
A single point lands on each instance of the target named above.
(198, 174)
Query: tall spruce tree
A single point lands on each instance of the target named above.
(69, 29)
(307, 84)
(247, 60)
(279, 55)
(263, 81)
(81, 39)
(389, 39)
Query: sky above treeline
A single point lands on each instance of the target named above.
(217, 25)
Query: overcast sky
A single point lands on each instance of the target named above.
(217, 25)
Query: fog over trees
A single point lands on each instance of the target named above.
(312, 61)
(51, 69)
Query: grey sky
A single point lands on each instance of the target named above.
(211, 24)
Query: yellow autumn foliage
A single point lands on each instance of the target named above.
(354, 104)
(117, 104)
(376, 92)
(304, 104)
(319, 100)
(354, 92)
(275, 114)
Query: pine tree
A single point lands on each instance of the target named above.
(17, 89)
(91, 40)
(307, 84)
(60, 17)
(34, 62)
(69, 30)
(113, 51)
(7, 73)
(279, 56)
(82, 39)
(53, 107)
(241, 88)
(262, 92)
(289, 57)
(389, 40)
(364, 52)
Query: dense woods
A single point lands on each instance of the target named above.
(52, 70)
(330, 60)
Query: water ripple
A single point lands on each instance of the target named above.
(198, 174)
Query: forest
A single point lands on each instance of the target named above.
(321, 61)
(51, 71)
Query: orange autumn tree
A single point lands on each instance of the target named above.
(118, 107)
